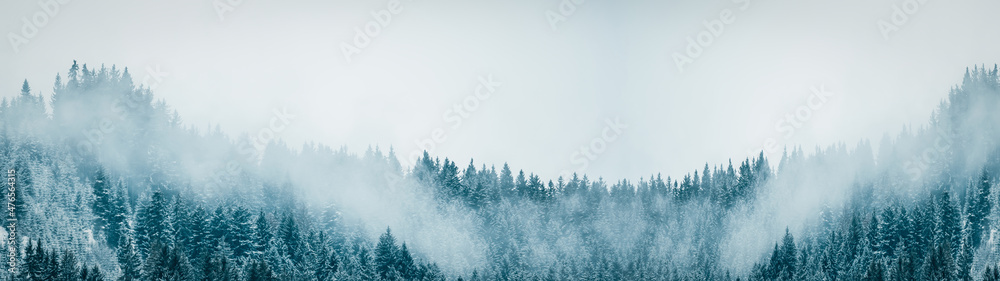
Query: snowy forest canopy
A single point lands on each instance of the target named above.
(111, 186)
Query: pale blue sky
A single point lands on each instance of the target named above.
(607, 60)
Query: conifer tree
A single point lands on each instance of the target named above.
(154, 222)
(128, 260)
(260, 271)
(262, 233)
(386, 256)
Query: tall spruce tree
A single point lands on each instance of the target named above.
(387, 256)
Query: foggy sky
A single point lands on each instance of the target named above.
(555, 90)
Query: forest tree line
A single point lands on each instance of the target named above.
(112, 187)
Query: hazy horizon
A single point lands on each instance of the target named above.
(556, 88)
(237, 145)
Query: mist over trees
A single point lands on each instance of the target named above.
(112, 186)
